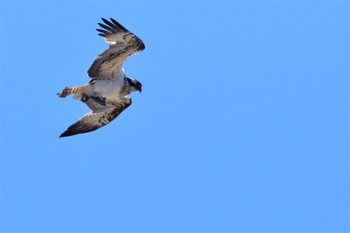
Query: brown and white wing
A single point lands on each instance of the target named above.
(96, 119)
(124, 44)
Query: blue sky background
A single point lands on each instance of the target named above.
(242, 125)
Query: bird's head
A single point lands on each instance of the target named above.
(134, 84)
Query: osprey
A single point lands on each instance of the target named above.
(107, 94)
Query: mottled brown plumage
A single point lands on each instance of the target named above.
(124, 44)
(98, 118)
(107, 92)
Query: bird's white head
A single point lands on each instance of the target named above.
(134, 85)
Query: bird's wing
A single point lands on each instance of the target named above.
(124, 44)
(96, 119)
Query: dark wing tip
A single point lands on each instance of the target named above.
(110, 29)
(103, 33)
(119, 25)
(78, 128)
(72, 130)
(112, 26)
(65, 134)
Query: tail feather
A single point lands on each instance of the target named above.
(77, 91)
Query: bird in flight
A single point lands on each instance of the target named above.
(107, 93)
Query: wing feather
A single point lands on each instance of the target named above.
(108, 28)
(118, 24)
(96, 119)
(124, 44)
(103, 31)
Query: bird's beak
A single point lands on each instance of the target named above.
(140, 90)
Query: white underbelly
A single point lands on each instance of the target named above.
(107, 88)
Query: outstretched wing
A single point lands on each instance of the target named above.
(96, 119)
(124, 44)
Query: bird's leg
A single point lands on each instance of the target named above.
(84, 98)
(99, 99)
(94, 103)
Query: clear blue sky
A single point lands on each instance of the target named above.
(242, 125)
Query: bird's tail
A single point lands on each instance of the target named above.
(77, 91)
